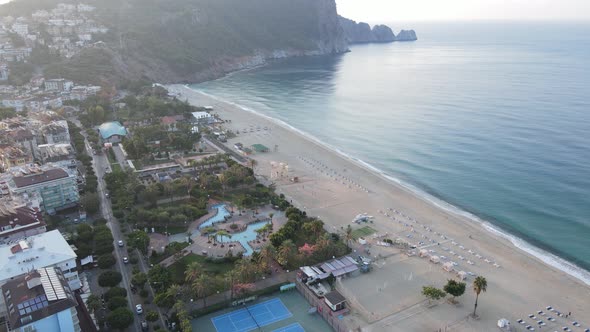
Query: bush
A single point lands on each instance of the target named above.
(105, 261)
(233, 226)
(117, 302)
(143, 293)
(115, 292)
(109, 279)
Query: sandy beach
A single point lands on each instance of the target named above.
(388, 298)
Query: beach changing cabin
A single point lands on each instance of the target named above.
(335, 300)
(462, 275)
(435, 259)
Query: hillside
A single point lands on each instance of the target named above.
(193, 40)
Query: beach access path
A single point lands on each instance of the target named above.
(522, 285)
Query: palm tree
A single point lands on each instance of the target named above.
(223, 181)
(267, 254)
(201, 288)
(480, 284)
(222, 233)
(193, 272)
(348, 235)
(253, 164)
(286, 251)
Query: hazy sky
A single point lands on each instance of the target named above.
(375, 11)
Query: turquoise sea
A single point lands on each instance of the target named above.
(491, 119)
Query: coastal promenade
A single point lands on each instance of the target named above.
(519, 286)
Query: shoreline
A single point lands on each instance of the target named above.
(545, 256)
(519, 281)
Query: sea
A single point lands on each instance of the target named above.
(488, 119)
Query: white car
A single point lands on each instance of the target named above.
(139, 309)
(120, 243)
(125, 260)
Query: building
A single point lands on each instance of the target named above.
(171, 122)
(41, 300)
(44, 250)
(21, 29)
(55, 152)
(59, 84)
(4, 72)
(12, 156)
(112, 132)
(57, 189)
(335, 300)
(203, 118)
(18, 221)
(56, 132)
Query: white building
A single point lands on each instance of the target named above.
(59, 84)
(203, 117)
(44, 250)
(21, 29)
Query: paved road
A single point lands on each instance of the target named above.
(102, 166)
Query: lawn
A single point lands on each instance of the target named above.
(215, 268)
(363, 232)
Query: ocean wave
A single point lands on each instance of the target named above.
(545, 256)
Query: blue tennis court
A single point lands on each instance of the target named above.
(251, 318)
(295, 327)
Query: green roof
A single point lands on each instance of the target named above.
(259, 148)
(109, 129)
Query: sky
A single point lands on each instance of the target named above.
(383, 11)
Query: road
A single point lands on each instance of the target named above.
(101, 167)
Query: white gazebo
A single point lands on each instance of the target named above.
(435, 259)
(462, 275)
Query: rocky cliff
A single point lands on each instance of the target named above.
(359, 33)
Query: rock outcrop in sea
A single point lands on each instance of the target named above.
(361, 33)
(406, 35)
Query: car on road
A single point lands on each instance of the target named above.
(120, 243)
(144, 325)
(139, 309)
(125, 260)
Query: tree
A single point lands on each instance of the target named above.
(117, 302)
(480, 284)
(109, 279)
(159, 277)
(455, 288)
(139, 240)
(348, 235)
(90, 202)
(151, 316)
(93, 303)
(120, 318)
(105, 261)
(114, 292)
(286, 251)
(432, 293)
(139, 279)
(193, 272)
(253, 164)
(201, 287)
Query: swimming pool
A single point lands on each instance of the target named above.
(244, 237)
(222, 212)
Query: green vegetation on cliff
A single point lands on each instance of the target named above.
(190, 40)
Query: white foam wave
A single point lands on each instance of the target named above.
(546, 257)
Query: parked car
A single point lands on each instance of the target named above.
(120, 243)
(125, 260)
(139, 309)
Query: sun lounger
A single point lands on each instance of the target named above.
(576, 324)
(520, 321)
